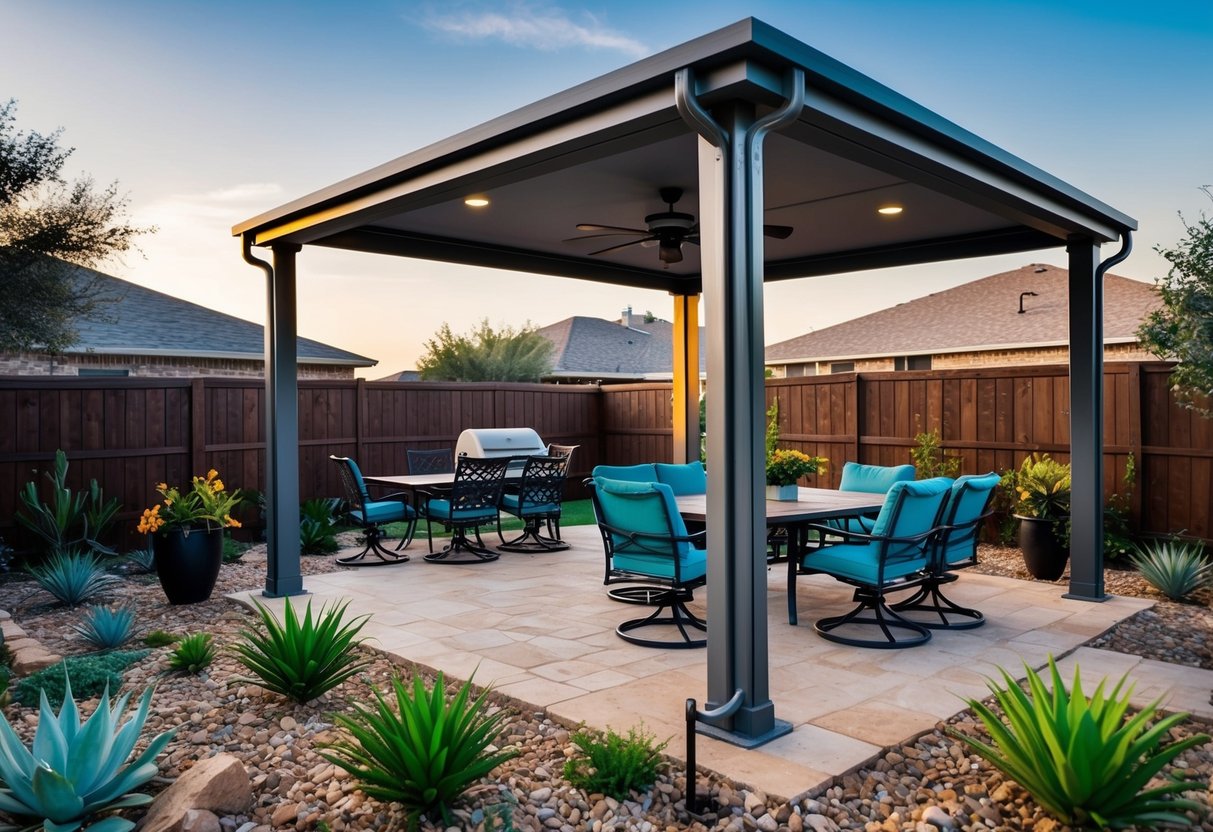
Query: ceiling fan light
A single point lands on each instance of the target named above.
(890, 210)
(477, 201)
(670, 251)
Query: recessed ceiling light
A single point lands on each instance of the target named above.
(476, 201)
(889, 210)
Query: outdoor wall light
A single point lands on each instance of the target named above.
(889, 210)
(476, 201)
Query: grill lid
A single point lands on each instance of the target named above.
(499, 442)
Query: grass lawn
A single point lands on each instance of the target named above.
(572, 513)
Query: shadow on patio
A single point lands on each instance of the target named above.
(540, 628)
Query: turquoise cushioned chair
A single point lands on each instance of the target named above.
(644, 472)
(535, 501)
(688, 478)
(955, 548)
(895, 554)
(871, 479)
(469, 502)
(371, 515)
(645, 539)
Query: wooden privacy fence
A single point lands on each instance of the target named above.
(132, 433)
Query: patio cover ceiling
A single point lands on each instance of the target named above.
(599, 152)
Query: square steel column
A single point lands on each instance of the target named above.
(1086, 420)
(283, 572)
(686, 378)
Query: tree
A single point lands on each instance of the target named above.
(485, 354)
(1183, 328)
(48, 225)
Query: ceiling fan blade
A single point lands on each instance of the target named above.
(586, 226)
(779, 232)
(622, 245)
(607, 234)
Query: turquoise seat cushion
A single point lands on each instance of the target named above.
(441, 510)
(510, 502)
(683, 479)
(384, 511)
(860, 563)
(644, 472)
(966, 502)
(873, 479)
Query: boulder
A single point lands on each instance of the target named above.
(216, 784)
(28, 659)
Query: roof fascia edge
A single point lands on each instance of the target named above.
(1027, 345)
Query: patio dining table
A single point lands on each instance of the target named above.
(811, 504)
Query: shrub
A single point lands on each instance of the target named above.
(317, 526)
(106, 627)
(92, 674)
(160, 638)
(302, 660)
(193, 654)
(931, 460)
(73, 577)
(233, 550)
(1042, 486)
(1175, 569)
(1080, 758)
(76, 770)
(424, 752)
(615, 765)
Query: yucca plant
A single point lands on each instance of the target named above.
(302, 659)
(193, 653)
(421, 750)
(1175, 569)
(73, 577)
(74, 771)
(107, 627)
(1081, 759)
(615, 765)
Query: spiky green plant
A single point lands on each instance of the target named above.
(1081, 759)
(143, 560)
(160, 638)
(302, 659)
(421, 750)
(74, 771)
(317, 526)
(193, 653)
(92, 673)
(1174, 568)
(615, 764)
(107, 627)
(73, 577)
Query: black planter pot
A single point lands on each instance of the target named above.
(188, 564)
(1044, 552)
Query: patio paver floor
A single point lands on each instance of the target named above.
(540, 628)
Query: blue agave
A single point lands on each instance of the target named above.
(73, 577)
(73, 771)
(106, 627)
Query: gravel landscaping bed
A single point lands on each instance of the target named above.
(922, 785)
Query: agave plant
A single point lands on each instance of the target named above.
(73, 577)
(302, 659)
(193, 653)
(1080, 758)
(73, 771)
(107, 627)
(143, 560)
(424, 752)
(1175, 569)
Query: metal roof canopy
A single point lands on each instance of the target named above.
(599, 152)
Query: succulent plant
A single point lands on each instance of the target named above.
(73, 577)
(73, 771)
(106, 627)
(1175, 569)
(193, 653)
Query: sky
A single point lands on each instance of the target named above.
(208, 113)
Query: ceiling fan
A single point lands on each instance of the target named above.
(669, 229)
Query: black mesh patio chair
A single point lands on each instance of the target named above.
(565, 452)
(431, 461)
(535, 501)
(371, 515)
(469, 502)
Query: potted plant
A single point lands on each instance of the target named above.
(187, 536)
(785, 467)
(1042, 506)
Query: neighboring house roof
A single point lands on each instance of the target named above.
(597, 348)
(403, 375)
(142, 321)
(975, 317)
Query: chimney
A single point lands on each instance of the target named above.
(626, 317)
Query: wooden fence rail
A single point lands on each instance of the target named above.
(129, 434)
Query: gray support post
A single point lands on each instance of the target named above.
(731, 251)
(283, 573)
(1086, 420)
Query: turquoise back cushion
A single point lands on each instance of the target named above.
(966, 502)
(873, 479)
(910, 509)
(647, 508)
(358, 479)
(683, 479)
(645, 472)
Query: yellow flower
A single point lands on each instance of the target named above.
(162, 486)
(217, 486)
(233, 522)
(211, 474)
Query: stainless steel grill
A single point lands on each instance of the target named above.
(498, 442)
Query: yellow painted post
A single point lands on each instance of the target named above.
(686, 378)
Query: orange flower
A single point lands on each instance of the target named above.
(233, 522)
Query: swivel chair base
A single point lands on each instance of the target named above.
(679, 617)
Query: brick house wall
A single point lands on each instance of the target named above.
(965, 360)
(142, 366)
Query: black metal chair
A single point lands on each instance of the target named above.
(535, 501)
(371, 515)
(955, 548)
(646, 539)
(565, 452)
(431, 461)
(469, 502)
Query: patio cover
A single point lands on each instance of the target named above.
(709, 116)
